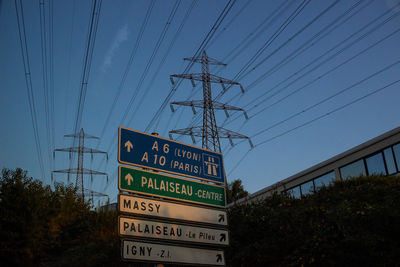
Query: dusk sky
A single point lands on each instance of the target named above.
(320, 77)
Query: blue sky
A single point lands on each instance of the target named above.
(349, 53)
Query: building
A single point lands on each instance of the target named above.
(380, 155)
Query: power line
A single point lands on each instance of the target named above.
(257, 31)
(234, 17)
(69, 65)
(270, 40)
(46, 79)
(327, 72)
(324, 74)
(316, 119)
(300, 50)
(241, 74)
(91, 39)
(151, 60)
(290, 39)
(329, 97)
(51, 60)
(260, 99)
(128, 65)
(149, 63)
(172, 43)
(94, 20)
(205, 41)
(308, 44)
(28, 81)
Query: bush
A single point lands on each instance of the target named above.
(353, 222)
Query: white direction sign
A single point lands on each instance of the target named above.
(143, 251)
(170, 210)
(142, 228)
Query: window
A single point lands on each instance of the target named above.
(391, 166)
(375, 164)
(354, 169)
(307, 188)
(325, 179)
(295, 192)
(396, 150)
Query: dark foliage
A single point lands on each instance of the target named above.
(41, 226)
(235, 191)
(351, 223)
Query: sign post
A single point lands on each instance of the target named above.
(156, 184)
(157, 252)
(173, 232)
(178, 219)
(150, 151)
(170, 210)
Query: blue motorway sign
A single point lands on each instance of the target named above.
(150, 151)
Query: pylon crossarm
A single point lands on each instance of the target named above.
(194, 104)
(84, 171)
(200, 104)
(193, 131)
(197, 131)
(222, 132)
(225, 133)
(211, 61)
(199, 77)
(84, 136)
(83, 150)
(94, 193)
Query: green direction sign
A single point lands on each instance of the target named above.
(161, 185)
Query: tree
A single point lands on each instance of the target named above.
(235, 191)
(24, 208)
(44, 227)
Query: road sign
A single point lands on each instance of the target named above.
(170, 210)
(161, 185)
(152, 252)
(150, 151)
(143, 228)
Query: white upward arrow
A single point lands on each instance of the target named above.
(128, 146)
(129, 178)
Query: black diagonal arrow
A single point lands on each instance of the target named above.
(221, 218)
(223, 237)
(219, 257)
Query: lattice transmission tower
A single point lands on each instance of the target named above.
(80, 171)
(209, 131)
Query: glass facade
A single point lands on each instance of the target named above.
(295, 192)
(354, 169)
(375, 164)
(390, 164)
(325, 179)
(385, 162)
(307, 188)
(396, 150)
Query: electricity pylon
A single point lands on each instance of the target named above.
(93, 194)
(80, 171)
(209, 131)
